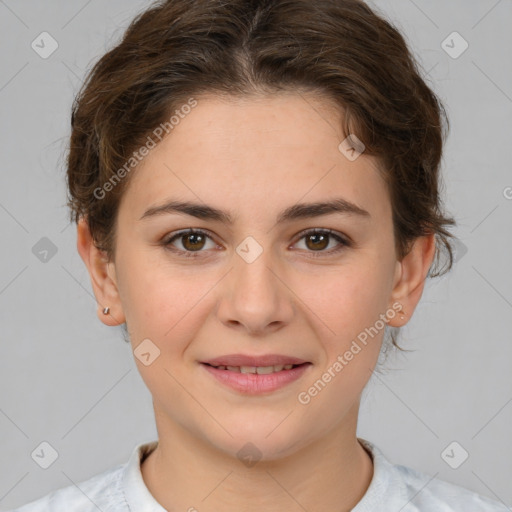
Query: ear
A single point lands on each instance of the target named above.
(410, 277)
(102, 274)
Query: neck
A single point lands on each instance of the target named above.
(186, 473)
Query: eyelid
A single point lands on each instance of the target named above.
(343, 240)
(166, 241)
(332, 232)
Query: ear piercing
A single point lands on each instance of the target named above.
(106, 310)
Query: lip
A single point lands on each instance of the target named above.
(248, 360)
(255, 384)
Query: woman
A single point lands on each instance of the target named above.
(256, 189)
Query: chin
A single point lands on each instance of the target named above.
(259, 442)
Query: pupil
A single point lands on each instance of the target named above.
(322, 238)
(193, 236)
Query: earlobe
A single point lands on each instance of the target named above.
(410, 277)
(109, 308)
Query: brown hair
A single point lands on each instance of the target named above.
(340, 49)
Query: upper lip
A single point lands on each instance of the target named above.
(247, 360)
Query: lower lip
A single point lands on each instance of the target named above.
(253, 383)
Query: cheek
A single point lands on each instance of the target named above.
(346, 300)
(167, 305)
(151, 293)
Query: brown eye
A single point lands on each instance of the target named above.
(192, 242)
(317, 240)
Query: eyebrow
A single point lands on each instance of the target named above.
(295, 212)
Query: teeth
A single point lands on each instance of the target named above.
(265, 370)
(260, 370)
(247, 369)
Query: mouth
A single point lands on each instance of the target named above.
(260, 370)
(252, 375)
(249, 361)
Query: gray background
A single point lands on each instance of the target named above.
(69, 380)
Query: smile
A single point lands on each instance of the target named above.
(260, 370)
(255, 380)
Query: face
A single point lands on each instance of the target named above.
(256, 285)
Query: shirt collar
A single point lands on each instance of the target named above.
(385, 480)
(137, 495)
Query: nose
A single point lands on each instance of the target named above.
(255, 297)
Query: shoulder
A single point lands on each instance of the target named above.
(100, 492)
(428, 493)
(409, 490)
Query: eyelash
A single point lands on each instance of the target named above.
(343, 242)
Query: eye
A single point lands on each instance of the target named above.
(193, 241)
(318, 239)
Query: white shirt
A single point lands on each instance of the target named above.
(393, 488)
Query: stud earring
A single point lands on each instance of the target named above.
(106, 310)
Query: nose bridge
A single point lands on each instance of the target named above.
(256, 297)
(252, 274)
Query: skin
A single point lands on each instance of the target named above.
(255, 157)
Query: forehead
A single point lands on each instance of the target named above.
(256, 151)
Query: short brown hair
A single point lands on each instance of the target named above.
(341, 49)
